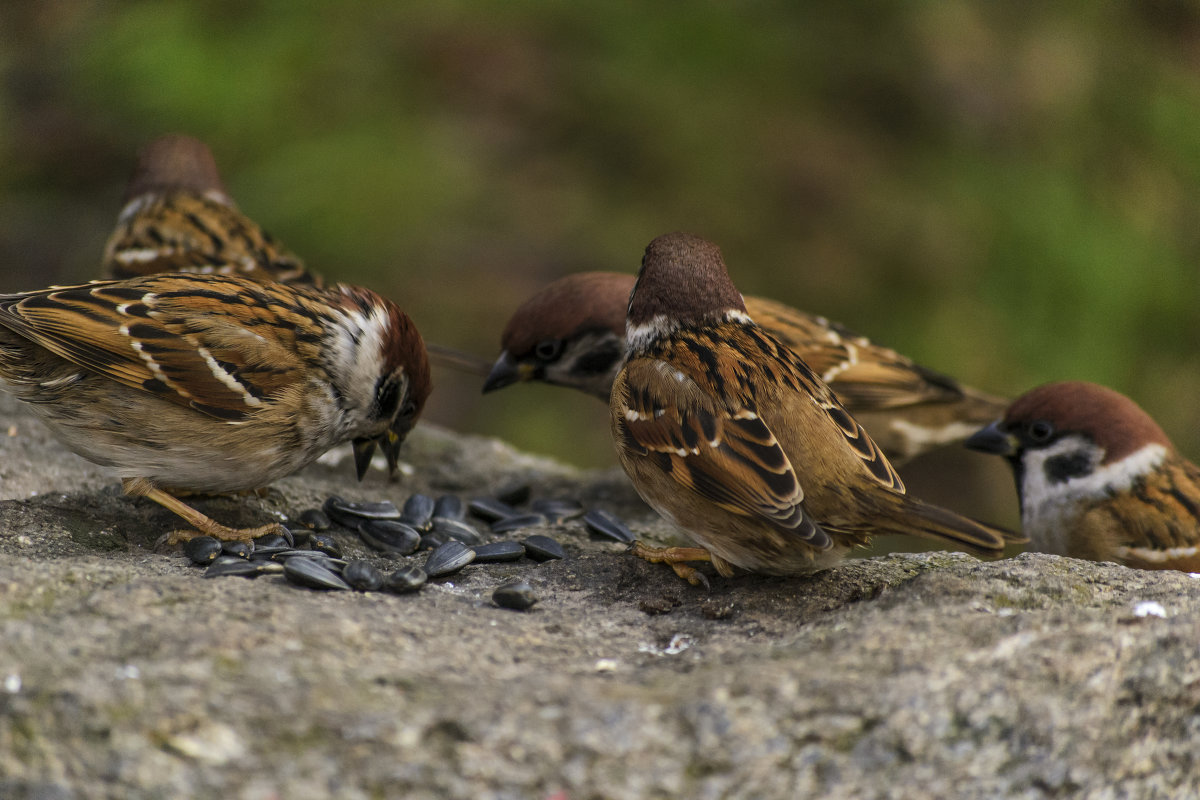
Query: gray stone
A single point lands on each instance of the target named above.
(123, 673)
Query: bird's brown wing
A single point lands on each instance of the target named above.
(727, 455)
(190, 340)
(1157, 524)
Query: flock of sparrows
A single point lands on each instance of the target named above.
(212, 360)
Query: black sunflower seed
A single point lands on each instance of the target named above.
(516, 594)
(314, 519)
(515, 494)
(270, 540)
(543, 548)
(608, 525)
(449, 558)
(238, 548)
(490, 509)
(449, 506)
(517, 522)
(456, 530)
(389, 536)
(363, 576)
(238, 567)
(498, 551)
(418, 510)
(202, 549)
(348, 514)
(325, 543)
(557, 510)
(407, 578)
(313, 574)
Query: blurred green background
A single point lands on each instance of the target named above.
(1007, 192)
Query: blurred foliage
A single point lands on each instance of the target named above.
(1008, 192)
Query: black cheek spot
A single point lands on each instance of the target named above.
(1069, 465)
(599, 360)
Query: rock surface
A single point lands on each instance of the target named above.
(125, 674)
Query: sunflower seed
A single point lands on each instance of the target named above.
(314, 519)
(325, 543)
(408, 578)
(202, 549)
(363, 576)
(348, 514)
(517, 522)
(313, 574)
(449, 558)
(456, 530)
(498, 551)
(238, 548)
(449, 506)
(418, 510)
(389, 536)
(515, 494)
(608, 525)
(556, 510)
(516, 594)
(490, 509)
(238, 567)
(543, 548)
(270, 540)
(433, 540)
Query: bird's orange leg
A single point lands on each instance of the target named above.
(202, 525)
(676, 556)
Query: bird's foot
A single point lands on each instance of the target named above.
(676, 557)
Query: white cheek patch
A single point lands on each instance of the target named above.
(1049, 507)
(638, 337)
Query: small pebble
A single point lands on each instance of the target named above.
(314, 519)
(363, 576)
(449, 506)
(238, 548)
(202, 549)
(408, 578)
(543, 548)
(516, 594)
(418, 510)
(498, 551)
(519, 521)
(390, 536)
(514, 495)
(449, 558)
(608, 525)
(313, 574)
(557, 511)
(456, 530)
(490, 509)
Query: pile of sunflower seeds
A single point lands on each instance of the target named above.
(311, 558)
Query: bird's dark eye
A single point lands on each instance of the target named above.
(387, 397)
(409, 410)
(548, 349)
(1040, 430)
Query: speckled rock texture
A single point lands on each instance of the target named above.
(125, 674)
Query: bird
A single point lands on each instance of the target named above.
(1097, 478)
(179, 217)
(727, 433)
(212, 384)
(572, 333)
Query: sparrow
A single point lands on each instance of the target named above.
(728, 433)
(1097, 478)
(213, 383)
(178, 217)
(572, 333)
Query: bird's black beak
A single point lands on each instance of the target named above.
(364, 449)
(993, 439)
(505, 372)
(390, 443)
